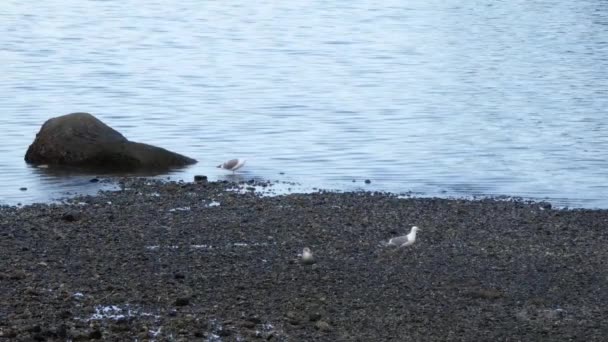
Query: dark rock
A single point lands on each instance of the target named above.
(80, 139)
(15, 275)
(70, 216)
(23, 189)
(224, 332)
(179, 276)
(200, 179)
(8, 333)
(94, 180)
(248, 324)
(367, 181)
(254, 320)
(182, 301)
(315, 316)
(65, 314)
(38, 337)
(34, 329)
(95, 335)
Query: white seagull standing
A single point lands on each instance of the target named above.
(405, 240)
(232, 164)
(307, 257)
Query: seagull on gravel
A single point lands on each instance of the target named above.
(405, 240)
(307, 257)
(232, 164)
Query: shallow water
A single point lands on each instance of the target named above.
(444, 98)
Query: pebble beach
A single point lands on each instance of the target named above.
(174, 261)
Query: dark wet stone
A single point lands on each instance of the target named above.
(70, 216)
(225, 332)
(248, 324)
(182, 301)
(65, 314)
(200, 179)
(94, 180)
(367, 181)
(315, 316)
(95, 335)
(179, 276)
(23, 189)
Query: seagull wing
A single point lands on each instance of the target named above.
(230, 164)
(398, 241)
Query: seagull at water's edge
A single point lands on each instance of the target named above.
(405, 240)
(232, 164)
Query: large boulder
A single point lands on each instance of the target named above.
(82, 140)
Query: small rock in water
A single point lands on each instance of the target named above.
(200, 179)
(23, 189)
(367, 181)
(94, 180)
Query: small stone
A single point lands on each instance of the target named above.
(254, 320)
(182, 301)
(17, 275)
(94, 180)
(367, 181)
(23, 189)
(179, 276)
(224, 332)
(65, 314)
(248, 324)
(95, 335)
(8, 333)
(34, 329)
(200, 179)
(315, 316)
(292, 318)
(69, 217)
(322, 326)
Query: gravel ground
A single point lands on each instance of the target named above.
(202, 262)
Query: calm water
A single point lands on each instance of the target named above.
(448, 98)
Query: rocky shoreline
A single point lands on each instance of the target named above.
(203, 262)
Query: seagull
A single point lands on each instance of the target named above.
(307, 257)
(405, 240)
(232, 164)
